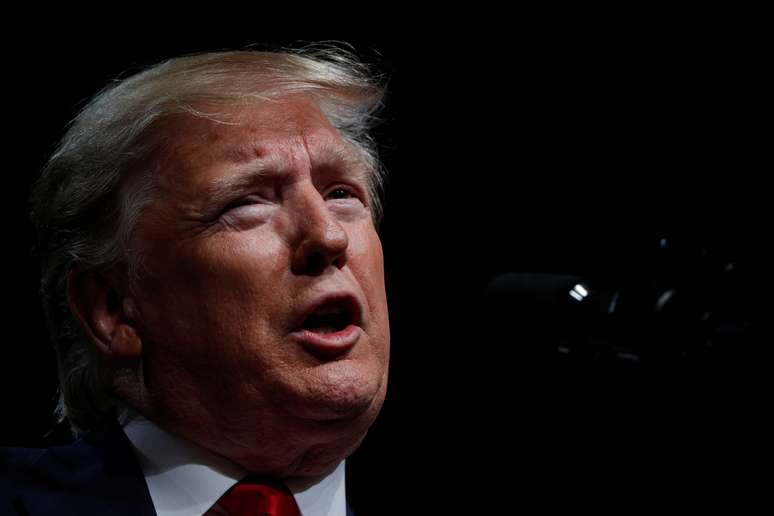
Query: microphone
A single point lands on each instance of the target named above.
(549, 315)
(633, 322)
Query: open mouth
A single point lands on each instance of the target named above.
(327, 323)
(333, 316)
(331, 327)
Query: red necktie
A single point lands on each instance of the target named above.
(255, 496)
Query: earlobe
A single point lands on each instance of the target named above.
(105, 316)
(125, 347)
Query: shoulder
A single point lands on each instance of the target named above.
(96, 471)
(17, 466)
(14, 459)
(69, 465)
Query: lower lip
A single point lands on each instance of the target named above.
(329, 345)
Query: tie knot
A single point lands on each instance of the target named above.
(259, 496)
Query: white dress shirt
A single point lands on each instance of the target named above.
(185, 479)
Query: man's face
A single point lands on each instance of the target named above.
(261, 304)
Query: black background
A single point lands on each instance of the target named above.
(553, 145)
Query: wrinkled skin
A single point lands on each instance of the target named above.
(230, 258)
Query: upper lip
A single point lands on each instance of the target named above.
(346, 301)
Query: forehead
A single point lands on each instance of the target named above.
(288, 133)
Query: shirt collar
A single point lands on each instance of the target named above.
(184, 478)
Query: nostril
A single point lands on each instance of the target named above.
(315, 263)
(340, 261)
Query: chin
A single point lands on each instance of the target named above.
(331, 422)
(341, 391)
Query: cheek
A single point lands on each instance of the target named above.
(216, 287)
(233, 263)
(367, 260)
(377, 268)
(246, 285)
(367, 265)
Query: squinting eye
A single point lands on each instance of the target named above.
(244, 201)
(340, 193)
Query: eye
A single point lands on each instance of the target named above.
(340, 193)
(247, 211)
(244, 201)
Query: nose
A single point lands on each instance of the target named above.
(321, 241)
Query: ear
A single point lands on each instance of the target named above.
(106, 316)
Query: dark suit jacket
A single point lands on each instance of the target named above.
(96, 475)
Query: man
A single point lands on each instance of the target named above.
(213, 282)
